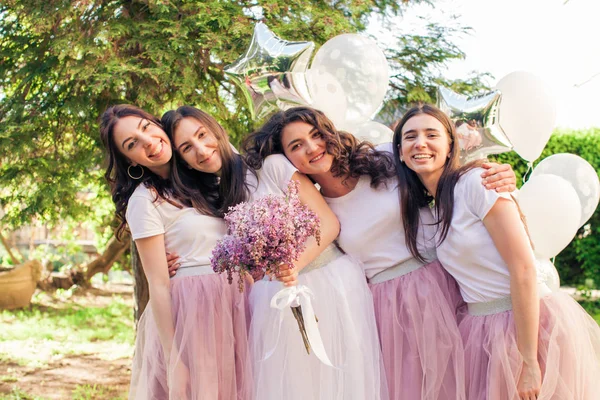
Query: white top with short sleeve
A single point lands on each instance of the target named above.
(187, 232)
(468, 253)
(273, 176)
(371, 224)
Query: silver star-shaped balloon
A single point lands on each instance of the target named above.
(271, 73)
(477, 123)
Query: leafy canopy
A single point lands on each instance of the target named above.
(63, 62)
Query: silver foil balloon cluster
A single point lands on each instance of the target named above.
(347, 79)
(272, 72)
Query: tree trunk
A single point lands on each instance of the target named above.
(112, 253)
(14, 259)
(140, 288)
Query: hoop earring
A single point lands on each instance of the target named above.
(134, 177)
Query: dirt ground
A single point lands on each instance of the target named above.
(109, 379)
(101, 372)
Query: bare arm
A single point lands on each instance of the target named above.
(330, 229)
(154, 261)
(504, 224)
(330, 226)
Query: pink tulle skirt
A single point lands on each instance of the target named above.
(210, 340)
(420, 342)
(568, 352)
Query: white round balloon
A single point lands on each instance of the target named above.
(527, 113)
(548, 274)
(373, 132)
(360, 67)
(327, 95)
(552, 211)
(580, 174)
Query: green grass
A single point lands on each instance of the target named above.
(18, 394)
(58, 326)
(72, 324)
(92, 392)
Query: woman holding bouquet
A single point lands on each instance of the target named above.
(192, 340)
(415, 299)
(340, 296)
(521, 340)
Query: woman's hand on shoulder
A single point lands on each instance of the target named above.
(499, 177)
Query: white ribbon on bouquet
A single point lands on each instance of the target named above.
(300, 295)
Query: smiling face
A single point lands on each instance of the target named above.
(425, 146)
(143, 143)
(306, 148)
(198, 146)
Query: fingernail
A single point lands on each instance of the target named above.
(488, 186)
(484, 181)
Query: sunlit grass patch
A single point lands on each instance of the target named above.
(92, 392)
(8, 378)
(71, 324)
(18, 394)
(61, 325)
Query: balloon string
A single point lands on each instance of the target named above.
(527, 173)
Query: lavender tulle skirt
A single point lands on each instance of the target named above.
(210, 340)
(568, 353)
(420, 342)
(344, 307)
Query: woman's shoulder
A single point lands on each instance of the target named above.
(471, 193)
(276, 161)
(142, 192)
(277, 166)
(275, 172)
(144, 196)
(471, 178)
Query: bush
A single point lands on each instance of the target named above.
(581, 259)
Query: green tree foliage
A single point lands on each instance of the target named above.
(581, 259)
(62, 62)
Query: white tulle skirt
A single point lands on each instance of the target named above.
(343, 305)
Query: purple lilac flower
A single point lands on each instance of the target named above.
(263, 234)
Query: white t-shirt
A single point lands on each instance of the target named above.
(371, 225)
(468, 253)
(187, 232)
(273, 176)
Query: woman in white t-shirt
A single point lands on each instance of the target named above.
(415, 300)
(192, 341)
(340, 297)
(521, 340)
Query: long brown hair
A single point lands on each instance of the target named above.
(413, 194)
(208, 193)
(121, 184)
(351, 158)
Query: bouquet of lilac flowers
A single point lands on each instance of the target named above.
(264, 234)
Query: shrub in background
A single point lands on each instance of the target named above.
(580, 261)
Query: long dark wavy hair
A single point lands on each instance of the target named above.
(208, 193)
(351, 158)
(413, 194)
(121, 184)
